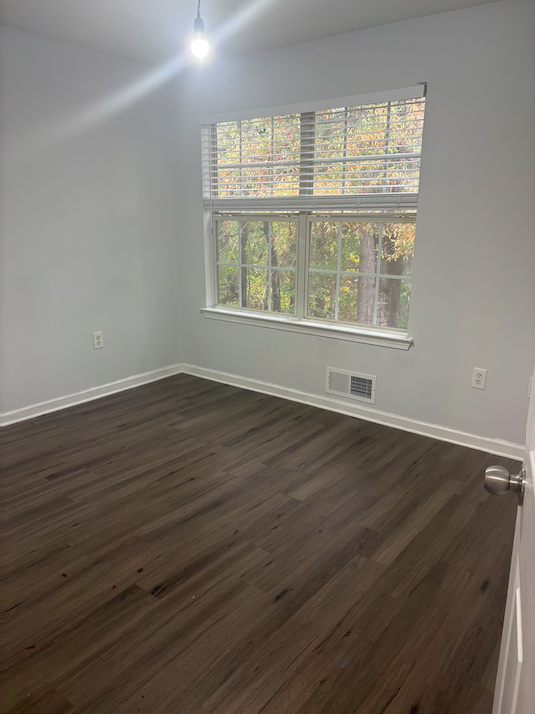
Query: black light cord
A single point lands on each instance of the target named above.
(198, 25)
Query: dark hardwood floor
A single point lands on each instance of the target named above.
(193, 548)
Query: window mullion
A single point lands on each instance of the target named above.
(270, 238)
(307, 132)
(272, 153)
(213, 228)
(241, 158)
(240, 269)
(344, 169)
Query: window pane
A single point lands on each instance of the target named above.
(283, 244)
(321, 292)
(324, 245)
(283, 291)
(227, 286)
(254, 288)
(254, 238)
(356, 299)
(286, 142)
(360, 243)
(397, 248)
(330, 143)
(227, 154)
(393, 303)
(346, 150)
(380, 132)
(256, 157)
(255, 147)
(353, 245)
(227, 241)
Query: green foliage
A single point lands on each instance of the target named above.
(264, 278)
(351, 247)
(262, 257)
(355, 267)
(262, 157)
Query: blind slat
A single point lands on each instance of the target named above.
(355, 156)
(374, 202)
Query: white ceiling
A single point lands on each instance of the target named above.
(153, 30)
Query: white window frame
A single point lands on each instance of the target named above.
(369, 334)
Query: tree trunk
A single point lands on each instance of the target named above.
(389, 290)
(274, 277)
(365, 286)
(244, 237)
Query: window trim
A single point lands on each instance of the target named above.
(280, 206)
(352, 332)
(380, 337)
(386, 95)
(268, 217)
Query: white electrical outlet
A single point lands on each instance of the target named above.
(98, 340)
(479, 378)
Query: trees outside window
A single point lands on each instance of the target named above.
(313, 213)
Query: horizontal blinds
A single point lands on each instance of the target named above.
(356, 157)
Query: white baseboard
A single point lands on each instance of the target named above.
(498, 447)
(87, 395)
(434, 431)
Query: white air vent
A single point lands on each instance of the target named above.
(351, 384)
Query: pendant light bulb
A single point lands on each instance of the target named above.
(199, 45)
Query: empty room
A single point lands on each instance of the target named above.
(267, 348)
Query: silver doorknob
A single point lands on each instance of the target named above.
(499, 481)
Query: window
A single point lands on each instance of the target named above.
(256, 263)
(313, 213)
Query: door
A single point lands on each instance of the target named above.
(515, 683)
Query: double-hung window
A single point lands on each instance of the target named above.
(312, 214)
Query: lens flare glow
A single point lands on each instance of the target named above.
(238, 23)
(200, 45)
(84, 117)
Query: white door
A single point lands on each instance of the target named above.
(515, 683)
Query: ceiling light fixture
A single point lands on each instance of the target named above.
(199, 44)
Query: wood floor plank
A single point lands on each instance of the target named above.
(251, 688)
(44, 700)
(193, 547)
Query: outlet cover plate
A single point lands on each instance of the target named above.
(98, 341)
(479, 378)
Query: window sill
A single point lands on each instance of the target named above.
(382, 338)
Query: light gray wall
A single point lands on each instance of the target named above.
(473, 290)
(88, 221)
(91, 211)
